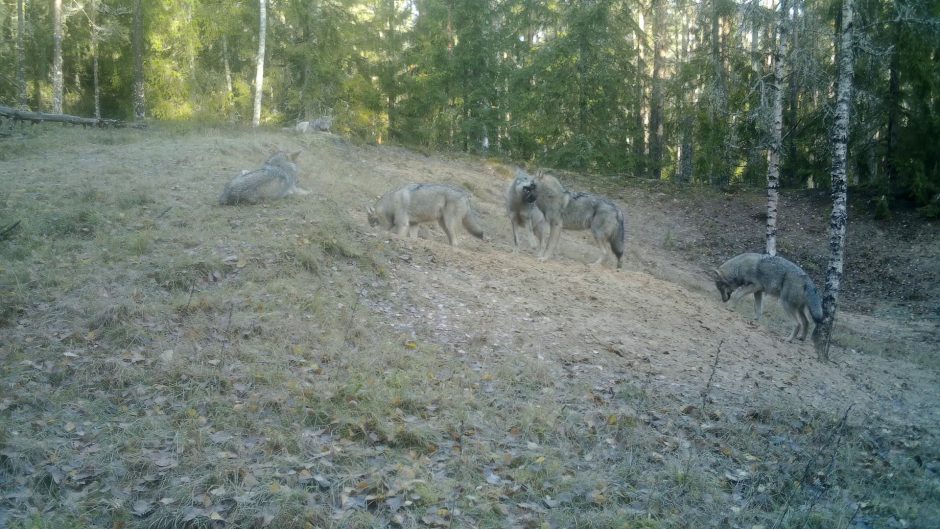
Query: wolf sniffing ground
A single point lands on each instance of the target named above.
(754, 273)
(402, 209)
(275, 179)
(520, 205)
(580, 211)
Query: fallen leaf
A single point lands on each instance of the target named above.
(142, 508)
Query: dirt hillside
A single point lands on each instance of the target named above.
(167, 362)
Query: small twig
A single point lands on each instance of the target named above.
(164, 212)
(352, 314)
(807, 470)
(228, 325)
(708, 384)
(192, 287)
(5, 232)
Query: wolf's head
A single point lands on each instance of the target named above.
(723, 285)
(528, 193)
(286, 161)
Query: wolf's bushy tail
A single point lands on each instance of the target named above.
(472, 224)
(813, 301)
(619, 239)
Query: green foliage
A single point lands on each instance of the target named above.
(563, 84)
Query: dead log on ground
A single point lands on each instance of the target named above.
(39, 117)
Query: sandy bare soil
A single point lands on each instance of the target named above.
(156, 346)
(658, 322)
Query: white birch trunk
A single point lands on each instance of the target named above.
(21, 94)
(228, 70)
(259, 74)
(139, 99)
(93, 16)
(57, 82)
(776, 131)
(840, 139)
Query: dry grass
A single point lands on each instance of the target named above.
(166, 362)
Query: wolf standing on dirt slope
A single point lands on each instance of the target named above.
(276, 179)
(579, 211)
(402, 209)
(520, 205)
(755, 273)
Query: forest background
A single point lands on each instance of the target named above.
(671, 90)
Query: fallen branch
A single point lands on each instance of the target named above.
(39, 117)
(5, 232)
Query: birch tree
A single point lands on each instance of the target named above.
(259, 72)
(776, 130)
(20, 56)
(57, 83)
(139, 100)
(94, 30)
(822, 335)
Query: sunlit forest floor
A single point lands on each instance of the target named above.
(168, 362)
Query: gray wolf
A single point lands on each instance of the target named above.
(276, 179)
(579, 211)
(520, 205)
(754, 273)
(401, 210)
(321, 124)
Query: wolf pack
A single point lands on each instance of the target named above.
(539, 208)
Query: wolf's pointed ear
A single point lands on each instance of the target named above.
(715, 274)
(370, 211)
(293, 156)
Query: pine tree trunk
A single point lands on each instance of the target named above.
(639, 140)
(656, 94)
(788, 173)
(57, 82)
(93, 17)
(686, 103)
(822, 335)
(717, 140)
(21, 93)
(139, 99)
(259, 72)
(894, 112)
(776, 132)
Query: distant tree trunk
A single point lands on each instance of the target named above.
(822, 335)
(656, 95)
(789, 175)
(894, 112)
(93, 16)
(776, 132)
(686, 103)
(20, 57)
(228, 70)
(719, 110)
(139, 100)
(259, 73)
(57, 84)
(639, 140)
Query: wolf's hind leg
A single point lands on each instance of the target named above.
(448, 226)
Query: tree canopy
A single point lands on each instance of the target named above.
(668, 89)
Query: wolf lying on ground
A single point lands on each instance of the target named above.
(321, 124)
(754, 273)
(520, 205)
(579, 211)
(401, 210)
(276, 179)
